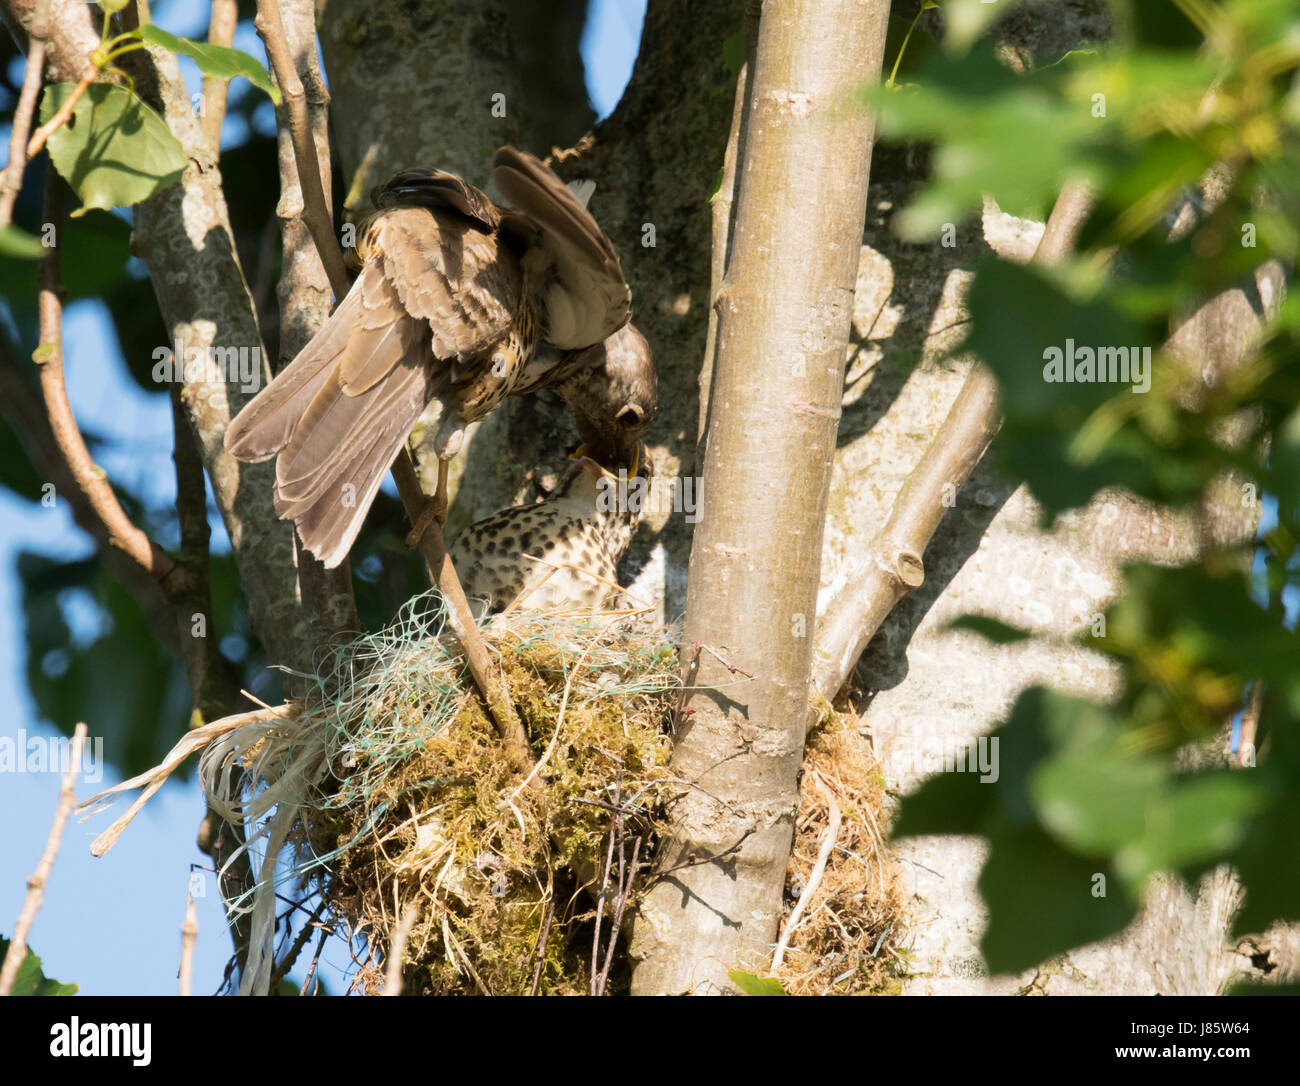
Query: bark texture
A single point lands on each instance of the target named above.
(784, 316)
(446, 82)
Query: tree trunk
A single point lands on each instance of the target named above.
(784, 315)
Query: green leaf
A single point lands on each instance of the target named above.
(31, 980)
(1197, 822)
(218, 60)
(93, 251)
(946, 803)
(1044, 899)
(114, 150)
(122, 678)
(733, 53)
(966, 20)
(756, 986)
(990, 629)
(1035, 336)
(1094, 796)
(19, 244)
(1014, 138)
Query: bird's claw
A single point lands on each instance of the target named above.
(434, 509)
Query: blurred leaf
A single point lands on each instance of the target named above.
(754, 985)
(1173, 623)
(1246, 988)
(966, 20)
(1067, 432)
(1160, 24)
(93, 250)
(31, 979)
(1017, 139)
(733, 53)
(1195, 823)
(990, 628)
(1043, 900)
(1093, 795)
(947, 803)
(114, 150)
(124, 684)
(219, 60)
(16, 471)
(19, 244)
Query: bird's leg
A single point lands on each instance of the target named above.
(435, 508)
(440, 492)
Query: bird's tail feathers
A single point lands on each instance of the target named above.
(268, 421)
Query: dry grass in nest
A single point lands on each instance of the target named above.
(844, 936)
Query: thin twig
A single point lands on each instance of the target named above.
(624, 895)
(315, 960)
(722, 206)
(189, 936)
(735, 669)
(89, 477)
(316, 203)
(397, 948)
(815, 878)
(216, 90)
(541, 946)
(291, 956)
(36, 884)
(615, 833)
(12, 182)
(694, 861)
(487, 676)
(43, 133)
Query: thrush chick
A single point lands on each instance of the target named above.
(559, 554)
(454, 297)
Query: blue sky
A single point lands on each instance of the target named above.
(112, 925)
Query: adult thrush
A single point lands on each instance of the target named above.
(462, 301)
(559, 554)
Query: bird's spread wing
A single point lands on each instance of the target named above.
(436, 290)
(590, 298)
(462, 282)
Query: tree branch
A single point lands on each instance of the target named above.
(722, 207)
(785, 312)
(36, 884)
(90, 480)
(316, 205)
(12, 182)
(23, 408)
(893, 564)
(221, 31)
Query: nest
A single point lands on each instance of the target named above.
(385, 806)
(395, 801)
